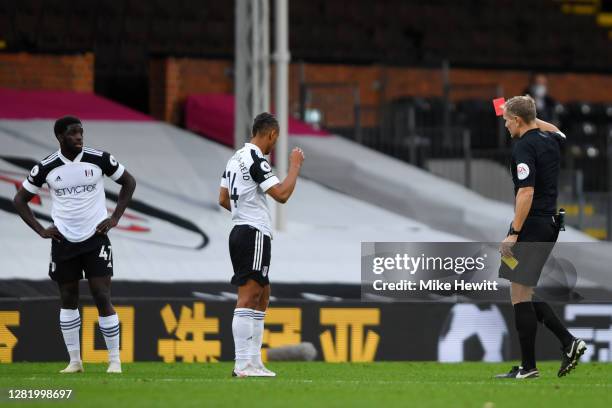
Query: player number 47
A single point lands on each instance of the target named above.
(108, 256)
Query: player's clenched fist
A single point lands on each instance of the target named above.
(297, 157)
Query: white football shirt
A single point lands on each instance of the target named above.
(248, 176)
(76, 188)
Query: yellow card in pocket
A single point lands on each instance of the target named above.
(511, 261)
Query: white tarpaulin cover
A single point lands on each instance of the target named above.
(175, 231)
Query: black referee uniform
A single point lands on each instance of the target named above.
(536, 161)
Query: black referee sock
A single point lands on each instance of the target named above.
(548, 318)
(527, 326)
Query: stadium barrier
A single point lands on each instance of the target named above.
(191, 330)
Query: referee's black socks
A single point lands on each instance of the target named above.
(527, 326)
(548, 318)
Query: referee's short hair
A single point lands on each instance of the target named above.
(522, 106)
(62, 124)
(264, 123)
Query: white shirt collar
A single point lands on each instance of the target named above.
(253, 146)
(65, 160)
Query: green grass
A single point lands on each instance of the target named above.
(315, 385)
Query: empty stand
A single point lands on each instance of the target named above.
(393, 32)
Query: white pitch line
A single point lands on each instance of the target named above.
(82, 377)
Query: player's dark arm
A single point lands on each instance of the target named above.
(283, 190)
(20, 201)
(128, 185)
(524, 198)
(224, 198)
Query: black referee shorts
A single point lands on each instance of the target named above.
(533, 247)
(250, 252)
(69, 260)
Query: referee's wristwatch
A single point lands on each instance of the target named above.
(513, 231)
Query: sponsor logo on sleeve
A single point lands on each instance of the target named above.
(522, 171)
(265, 166)
(34, 171)
(112, 160)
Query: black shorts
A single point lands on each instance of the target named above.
(533, 247)
(250, 252)
(69, 260)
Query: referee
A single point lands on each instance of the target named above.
(536, 157)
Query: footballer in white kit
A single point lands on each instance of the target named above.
(80, 246)
(246, 181)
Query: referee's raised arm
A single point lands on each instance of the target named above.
(547, 127)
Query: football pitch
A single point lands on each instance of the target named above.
(313, 384)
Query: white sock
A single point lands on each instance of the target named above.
(257, 340)
(109, 326)
(242, 329)
(70, 323)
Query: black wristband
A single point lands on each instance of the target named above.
(513, 231)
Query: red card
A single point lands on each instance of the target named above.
(498, 104)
